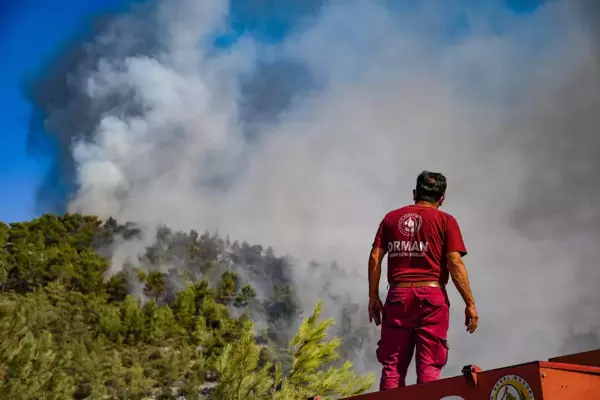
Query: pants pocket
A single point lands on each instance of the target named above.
(441, 355)
(434, 299)
(378, 352)
(386, 352)
(394, 314)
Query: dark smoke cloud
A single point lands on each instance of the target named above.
(63, 113)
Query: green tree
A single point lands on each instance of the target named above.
(245, 296)
(227, 287)
(155, 284)
(30, 363)
(241, 376)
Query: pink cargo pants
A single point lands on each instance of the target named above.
(413, 318)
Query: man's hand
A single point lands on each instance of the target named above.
(375, 310)
(471, 318)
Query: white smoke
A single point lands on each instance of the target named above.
(395, 98)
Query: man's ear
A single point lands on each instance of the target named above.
(442, 200)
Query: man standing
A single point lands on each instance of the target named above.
(424, 245)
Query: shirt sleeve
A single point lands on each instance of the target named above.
(454, 239)
(380, 240)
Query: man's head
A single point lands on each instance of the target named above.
(431, 188)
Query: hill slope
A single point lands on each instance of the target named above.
(175, 322)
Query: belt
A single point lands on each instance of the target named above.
(415, 284)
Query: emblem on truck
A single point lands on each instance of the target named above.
(512, 387)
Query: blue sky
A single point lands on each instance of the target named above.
(29, 31)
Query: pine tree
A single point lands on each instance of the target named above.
(29, 362)
(241, 376)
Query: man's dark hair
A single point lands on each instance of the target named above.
(431, 186)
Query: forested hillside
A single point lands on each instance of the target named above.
(179, 321)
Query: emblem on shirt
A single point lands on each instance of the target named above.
(511, 387)
(410, 224)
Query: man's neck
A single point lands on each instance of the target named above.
(426, 204)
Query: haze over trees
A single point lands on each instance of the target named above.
(181, 321)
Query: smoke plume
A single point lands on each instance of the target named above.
(301, 126)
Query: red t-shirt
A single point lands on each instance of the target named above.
(417, 239)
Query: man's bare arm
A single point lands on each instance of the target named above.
(375, 259)
(459, 275)
(375, 305)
